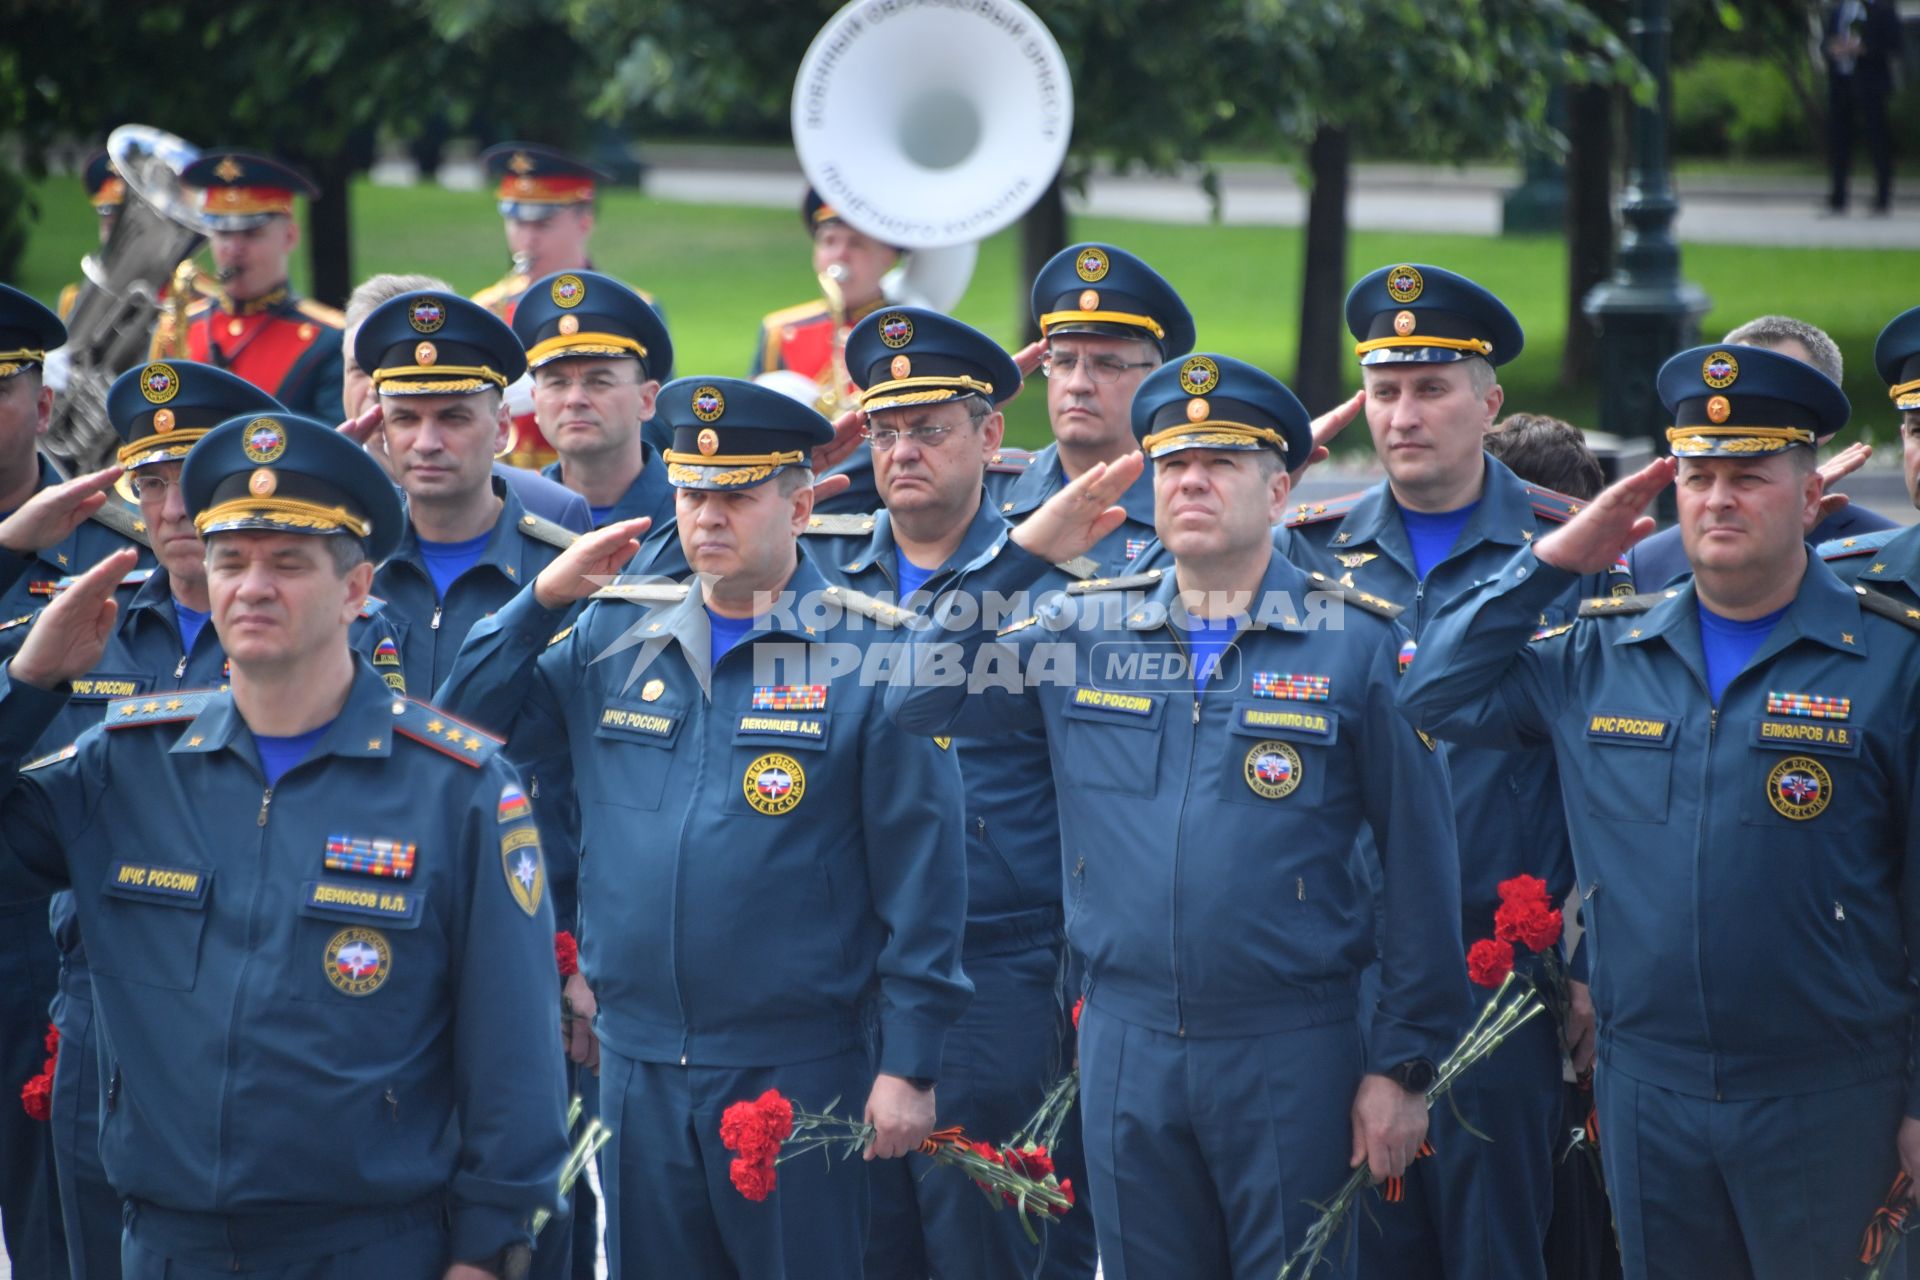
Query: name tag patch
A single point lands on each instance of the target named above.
(360, 855)
(182, 886)
(1274, 718)
(789, 697)
(1648, 731)
(1817, 735)
(379, 904)
(811, 728)
(1296, 688)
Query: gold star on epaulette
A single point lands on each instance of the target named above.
(433, 726)
(473, 743)
(1846, 542)
(1635, 633)
(1913, 613)
(1877, 568)
(373, 744)
(128, 709)
(1364, 598)
(653, 626)
(195, 740)
(174, 704)
(139, 526)
(455, 733)
(149, 706)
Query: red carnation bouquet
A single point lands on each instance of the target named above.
(36, 1095)
(769, 1129)
(566, 953)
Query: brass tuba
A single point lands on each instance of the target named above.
(121, 304)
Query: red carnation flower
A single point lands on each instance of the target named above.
(1035, 1163)
(1066, 1189)
(1489, 961)
(53, 1041)
(566, 952)
(754, 1130)
(1528, 922)
(777, 1114)
(1078, 1005)
(37, 1096)
(1524, 889)
(754, 1179)
(988, 1152)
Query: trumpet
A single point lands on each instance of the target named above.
(832, 391)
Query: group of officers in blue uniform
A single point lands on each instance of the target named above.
(857, 806)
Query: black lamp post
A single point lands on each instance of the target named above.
(1646, 312)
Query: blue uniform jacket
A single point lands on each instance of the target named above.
(755, 870)
(1211, 884)
(285, 1033)
(1020, 495)
(1506, 804)
(89, 544)
(1013, 822)
(648, 495)
(1751, 901)
(1660, 560)
(1888, 560)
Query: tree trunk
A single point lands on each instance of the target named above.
(1043, 233)
(1322, 375)
(1590, 115)
(329, 231)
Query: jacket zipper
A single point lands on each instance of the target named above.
(1699, 844)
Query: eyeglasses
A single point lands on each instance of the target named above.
(1102, 369)
(145, 487)
(925, 437)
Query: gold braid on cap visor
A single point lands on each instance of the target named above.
(12, 362)
(465, 379)
(1900, 392)
(1687, 440)
(164, 448)
(1215, 434)
(747, 468)
(1478, 346)
(923, 390)
(1148, 323)
(285, 513)
(583, 344)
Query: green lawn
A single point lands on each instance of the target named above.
(715, 270)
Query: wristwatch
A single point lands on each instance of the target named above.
(1414, 1075)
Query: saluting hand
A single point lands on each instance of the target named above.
(70, 634)
(1326, 427)
(1077, 517)
(901, 1115)
(846, 438)
(1027, 359)
(581, 569)
(361, 429)
(1832, 471)
(50, 515)
(1595, 539)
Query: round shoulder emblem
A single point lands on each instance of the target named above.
(1199, 375)
(358, 961)
(1719, 370)
(426, 315)
(1404, 283)
(1273, 769)
(895, 329)
(265, 440)
(159, 383)
(1091, 265)
(775, 783)
(1799, 788)
(569, 291)
(708, 403)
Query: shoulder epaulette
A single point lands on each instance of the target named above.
(1551, 504)
(320, 311)
(1365, 599)
(1887, 607)
(181, 704)
(843, 525)
(1132, 582)
(135, 578)
(1602, 606)
(541, 529)
(1548, 633)
(1010, 461)
(123, 522)
(65, 753)
(654, 592)
(870, 607)
(796, 313)
(1082, 568)
(1864, 544)
(450, 737)
(1320, 512)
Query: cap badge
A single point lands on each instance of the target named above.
(159, 383)
(569, 325)
(1089, 300)
(1404, 323)
(163, 421)
(708, 441)
(1199, 375)
(1197, 410)
(569, 291)
(896, 330)
(1091, 265)
(1404, 283)
(426, 315)
(228, 170)
(1719, 370)
(264, 441)
(521, 163)
(262, 483)
(1719, 409)
(900, 367)
(425, 354)
(708, 403)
